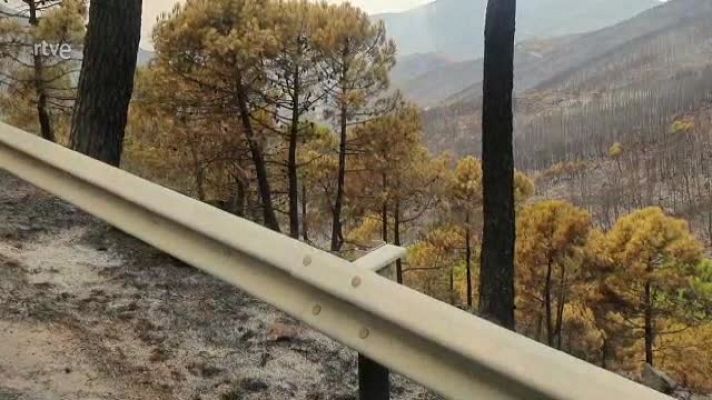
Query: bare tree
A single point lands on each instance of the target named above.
(497, 270)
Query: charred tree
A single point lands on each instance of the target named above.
(497, 270)
(106, 79)
(46, 129)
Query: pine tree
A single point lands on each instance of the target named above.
(106, 79)
(358, 57)
(652, 258)
(297, 85)
(497, 269)
(238, 37)
(550, 245)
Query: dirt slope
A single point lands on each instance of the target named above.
(89, 313)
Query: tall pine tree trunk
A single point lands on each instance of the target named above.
(453, 300)
(240, 199)
(337, 230)
(397, 239)
(42, 108)
(648, 322)
(293, 178)
(198, 172)
(497, 270)
(604, 353)
(384, 208)
(547, 305)
(263, 186)
(43, 115)
(561, 305)
(468, 259)
(305, 214)
(336, 227)
(107, 78)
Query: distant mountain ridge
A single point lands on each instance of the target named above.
(455, 28)
(449, 83)
(626, 83)
(562, 58)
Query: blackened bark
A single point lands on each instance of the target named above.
(559, 329)
(497, 270)
(468, 259)
(604, 353)
(336, 227)
(263, 186)
(397, 240)
(199, 173)
(292, 160)
(240, 199)
(384, 209)
(305, 220)
(539, 326)
(709, 226)
(43, 114)
(107, 78)
(649, 330)
(337, 233)
(547, 305)
(452, 286)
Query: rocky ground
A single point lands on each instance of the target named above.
(89, 313)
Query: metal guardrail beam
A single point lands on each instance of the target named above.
(439, 346)
(380, 258)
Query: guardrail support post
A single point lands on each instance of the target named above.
(374, 381)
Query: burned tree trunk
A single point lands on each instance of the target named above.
(263, 185)
(497, 270)
(292, 166)
(43, 114)
(336, 227)
(468, 260)
(106, 79)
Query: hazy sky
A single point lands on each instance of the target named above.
(152, 8)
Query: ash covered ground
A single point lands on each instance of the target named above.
(87, 312)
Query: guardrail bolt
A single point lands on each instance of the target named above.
(316, 310)
(364, 333)
(356, 281)
(307, 260)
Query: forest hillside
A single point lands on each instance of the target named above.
(645, 84)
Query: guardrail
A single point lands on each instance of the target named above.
(443, 348)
